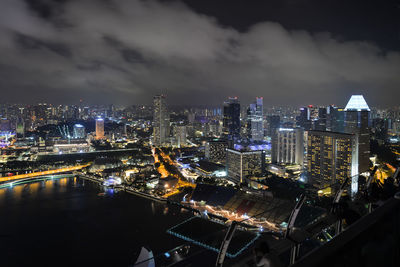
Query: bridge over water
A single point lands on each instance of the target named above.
(42, 173)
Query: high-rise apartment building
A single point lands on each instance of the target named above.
(288, 146)
(255, 120)
(99, 128)
(243, 164)
(160, 121)
(331, 158)
(231, 120)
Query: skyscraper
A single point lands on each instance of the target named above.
(255, 120)
(160, 121)
(331, 158)
(308, 118)
(99, 128)
(335, 119)
(231, 121)
(288, 146)
(313, 113)
(303, 119)
(320, 124)
(356, 121)
(20, 127)
(273, 123)
(180, 135)
(243, 164)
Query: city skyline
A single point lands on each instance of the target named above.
(200, 133)
(149, 102)
(115, 51)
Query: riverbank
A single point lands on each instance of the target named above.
(125, 188)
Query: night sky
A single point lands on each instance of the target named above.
(291, 52)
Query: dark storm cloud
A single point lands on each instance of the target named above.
(126, 51)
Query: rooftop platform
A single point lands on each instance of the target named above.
(209, 234)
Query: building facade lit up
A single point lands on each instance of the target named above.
(180, 135)
(243, 164)
(288, 146)
(255, 120)
(160, 121)
(231, 121)
(215, 151)
(79, 131)
(357, 122)
(331, 157)
(99, 128)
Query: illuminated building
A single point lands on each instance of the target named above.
(40, 112)
(243, 164)
(99, 128)
(302, 119)
(215, 151)
(20, 127)
(313, 113)
(180, 135)
(320, 123)
(246, 144)
(381, 128)
(308, 118)
(5, 138)
(160, 121)
(231, 121)
(255, 120)
(288, 146)
(332, 157)
(71, 146)
(335, 119)
(79, 131)
(357, 122)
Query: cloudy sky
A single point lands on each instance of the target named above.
(199, 52)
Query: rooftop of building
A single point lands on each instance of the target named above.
(330, 132)
(357, 102)
(209, 166)
(251, 145)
